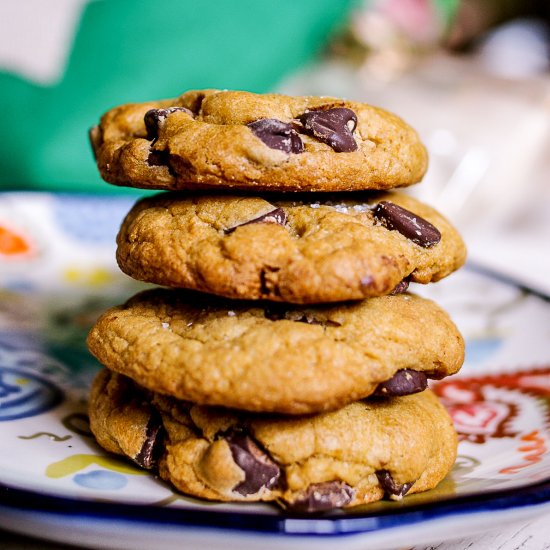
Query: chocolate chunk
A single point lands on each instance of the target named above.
(400, 287)
(274, 216)
(152, 444)
(158, 158)
(277, 135)
(403, 382)
(415, 228)
(154, 118)
(391, 488)
(275, 312)
(333, 126)
(259, 469)
(320, 497)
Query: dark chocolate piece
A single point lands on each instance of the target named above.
(321, 497)
(275, 312)
(154, 118)
(400, 287)
(259, 469)
(415, 228)
(277, 135)
(391, 488)
(158, 158)
(274, 216)
(333, 126)
(152, 445)
(403, 382)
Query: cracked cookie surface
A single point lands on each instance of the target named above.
(359, 454)
(297, 249)
(267, 357)
(230, 139)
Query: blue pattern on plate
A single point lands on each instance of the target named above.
(478, 351)
(91, 219)
(23, 394)
(19, 341)
(101, 479)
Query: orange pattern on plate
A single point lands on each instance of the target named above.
(12, 244)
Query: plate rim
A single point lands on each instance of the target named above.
(537, 495)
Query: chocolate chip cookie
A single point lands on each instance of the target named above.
(227, 139)
(268, 357)
(300, 249)
(355, 455)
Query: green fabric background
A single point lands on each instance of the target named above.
(137, 50)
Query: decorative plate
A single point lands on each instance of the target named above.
(58, 274)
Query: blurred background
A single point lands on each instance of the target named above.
(472, 76)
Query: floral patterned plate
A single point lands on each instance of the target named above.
(58, 274)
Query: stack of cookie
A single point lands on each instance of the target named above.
(286, 361)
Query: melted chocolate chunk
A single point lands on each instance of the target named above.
(400, 287)
(158, 158)
(415, 228)
(154, 118)
(333, 126)
(403, 382)
(277, 135)
(275, 312)
(274, 216)
(321, 497)
(391, 488)
(152, 444)
(259, 469)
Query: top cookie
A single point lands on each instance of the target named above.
(240, 140)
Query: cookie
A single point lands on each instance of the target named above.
(273, 358)
(227, 139)
(355, 455)
(297, 249)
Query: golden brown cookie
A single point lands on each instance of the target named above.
(297, 249)
(229, 139)
(355, 455)
(269, 357)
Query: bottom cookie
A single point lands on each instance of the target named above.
(358, 454)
